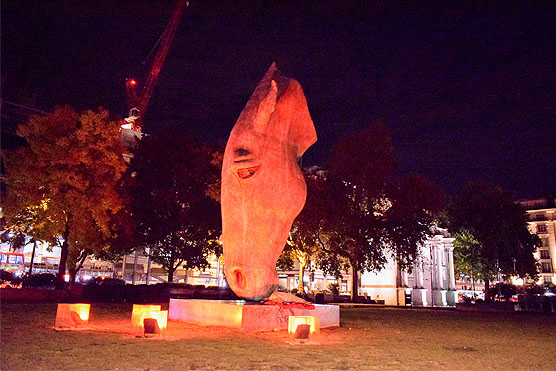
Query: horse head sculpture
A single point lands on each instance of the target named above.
(263, 188)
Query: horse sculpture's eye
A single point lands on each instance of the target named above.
(242, 152)
(247, 172)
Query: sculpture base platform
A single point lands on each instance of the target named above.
(247, 316)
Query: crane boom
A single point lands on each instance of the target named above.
(138, 102)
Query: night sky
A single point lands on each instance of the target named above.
(468, 89)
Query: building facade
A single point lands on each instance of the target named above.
(430, 283)
(542, 221)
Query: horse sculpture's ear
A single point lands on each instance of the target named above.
(302, 133)
(266, 108)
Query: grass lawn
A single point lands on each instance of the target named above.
(370, 338)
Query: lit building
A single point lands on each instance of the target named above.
(46, 258)
(431, 282)
(542, 222)
(314, 280)
(138, 269)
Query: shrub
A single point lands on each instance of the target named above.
(6, 276)
(334, 288)
(107, 281)
(41, 280)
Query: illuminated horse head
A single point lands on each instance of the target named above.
(263, 189)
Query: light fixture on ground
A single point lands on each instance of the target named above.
(72, 315)
(302, 327)
(148, 320)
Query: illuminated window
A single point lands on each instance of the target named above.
(541, 228)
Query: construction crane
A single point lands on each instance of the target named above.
(139, 95)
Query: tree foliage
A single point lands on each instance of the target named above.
(303, 241)
(368, 216)
(360, 170)
(489, 215)
(467, 259)
(16, 234)
(61, 186)
(169, 203)
(416, 204)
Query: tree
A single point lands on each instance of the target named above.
(17, 234)
(298, 248)
(301, 245)
(499, 225)
(66, 175)
(373, 216)
(305, 242)
(360, 169)
(416, 204)
(170, 207)
(467, 258)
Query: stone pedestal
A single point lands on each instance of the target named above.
(400, 292)
(452, 298)
(439, 298)
(419, 298)
(247, 316)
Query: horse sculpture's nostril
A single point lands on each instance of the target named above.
(239, 278)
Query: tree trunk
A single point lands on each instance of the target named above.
(487, 291)
(171, 267)
(302, 264)
(473, 281)
(398, 278)
(63, 255)
(148, 267)
(62, 264)
(72, 273)
(123, 266)
(32, 258)
(77, 267)
(134, 268)
(354, 282)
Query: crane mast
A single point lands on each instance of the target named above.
(138, 97)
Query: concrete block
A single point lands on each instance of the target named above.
(247, 316)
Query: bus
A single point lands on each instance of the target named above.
(12, 262)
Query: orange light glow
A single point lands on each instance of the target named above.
(140, 312)
(162, 318)
(295, 321)
(72, 315)
(132, 82)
